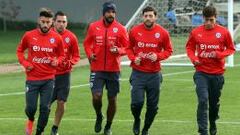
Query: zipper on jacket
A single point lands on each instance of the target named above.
(105, 54)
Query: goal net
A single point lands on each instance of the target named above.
(179, 17)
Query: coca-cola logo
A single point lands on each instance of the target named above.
(43, 60)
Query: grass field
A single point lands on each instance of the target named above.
(176, 114)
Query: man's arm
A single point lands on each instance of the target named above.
(23, 45)
(167, 48)
(191, 48)
(75, 52)
(124, 41)
(230, 49)
(88, 43)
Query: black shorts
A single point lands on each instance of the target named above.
(99, 79)
(62, 87)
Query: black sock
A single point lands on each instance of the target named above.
(39, 131)
(108, 125)
(54, 128)
(99, 115)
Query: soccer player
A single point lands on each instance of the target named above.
(104, 44)
(44, 53)
(207, 47)
(149, 45)
(62, 77)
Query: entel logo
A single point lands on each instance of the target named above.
(36, 48)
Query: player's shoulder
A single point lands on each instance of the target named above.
(70, 34)
(197, 29)
(161, 28)
(30, 32)
(222, 28)
(54, 34)
(137, 27)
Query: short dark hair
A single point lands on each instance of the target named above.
(45, 12)
(59, 13)
(209, 11)
(149, 8)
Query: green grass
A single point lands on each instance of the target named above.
(177, 103)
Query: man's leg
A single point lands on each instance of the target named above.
(137, 99)
(112, 86)
(62, 87)
(214, 96)
(96, 85)
(32, 91)
(111, 110)
(45, 102)
(201, 82)
(152, 94)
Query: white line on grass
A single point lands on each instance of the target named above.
(126, 120)
(83, 85)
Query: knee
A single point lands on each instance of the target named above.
(137, 105)
(152, 109)
(44, 108)
(203, 102)
(97, 96)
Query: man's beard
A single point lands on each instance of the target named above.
(44, 29)
(109, 20)
(148, 24)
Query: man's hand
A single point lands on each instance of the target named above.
(137, 61)
(54, 62)
(29, 68)
(196, 63)
(114, 49)
(92, 57)
(152, 56)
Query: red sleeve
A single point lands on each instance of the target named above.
(191, 48)
(23, 45)
(129, 49)
(124, 41)
(229, 47)
(75, 51)
(167, 48)
(60, 51)
(88, 42)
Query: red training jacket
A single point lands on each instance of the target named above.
(41, 48)
(210, 47)
(143, 42)
(99, 39)
(71, 50)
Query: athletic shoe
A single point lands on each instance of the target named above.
(29, 127)
(136, 127)
(145, 132)
(98, 124)
(107, 131)
(54, 132)
(213, 128)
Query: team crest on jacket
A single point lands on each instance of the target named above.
(52, 40)
(157, 35)
(67, 39)
(218, 35)
(115, 29)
